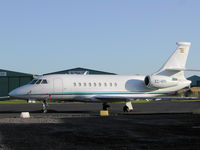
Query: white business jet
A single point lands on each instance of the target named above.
(111, 88)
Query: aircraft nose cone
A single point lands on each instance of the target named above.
(20, 92)
(12, 93)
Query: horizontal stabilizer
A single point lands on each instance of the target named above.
(182, 69)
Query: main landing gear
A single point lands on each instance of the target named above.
(105, 106)
(128, 107)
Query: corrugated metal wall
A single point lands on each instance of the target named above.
(3, 86)
(198, 83)
(195, 80)
(10, 80)
(7, 84)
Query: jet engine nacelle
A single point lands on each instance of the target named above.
(157, 81)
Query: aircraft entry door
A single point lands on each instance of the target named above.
(58, 88)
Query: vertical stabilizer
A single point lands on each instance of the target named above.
(176, 63)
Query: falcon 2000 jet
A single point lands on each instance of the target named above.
(111, 88)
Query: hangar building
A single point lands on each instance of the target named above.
(81, 71)
(195, 80)
(10, 80)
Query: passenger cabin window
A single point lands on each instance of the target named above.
(38, 81)
(84, 84)
(44, 81)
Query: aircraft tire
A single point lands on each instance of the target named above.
(125, 109)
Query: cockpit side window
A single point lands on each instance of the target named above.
(38, 81)
(44, 81)
(33, 81)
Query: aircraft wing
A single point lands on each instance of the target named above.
(4, 98)
(120, 98)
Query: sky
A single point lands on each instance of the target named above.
(119, 36)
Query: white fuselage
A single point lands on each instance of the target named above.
(88, 87)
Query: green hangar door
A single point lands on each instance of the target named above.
(13, 83)
(3, 86)
(10, 80)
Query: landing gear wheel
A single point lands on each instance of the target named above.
(45, 105)
(105, 106)
(125, 109)
(128, 107)
(45, 111)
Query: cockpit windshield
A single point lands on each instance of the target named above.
(33, 81)
(39, 81)
(44, 81)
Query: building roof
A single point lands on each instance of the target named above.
(12, 73)
(195, 77)
(91, 71)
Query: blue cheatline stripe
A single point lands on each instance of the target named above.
(104, 92)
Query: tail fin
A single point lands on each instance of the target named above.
(175, 65)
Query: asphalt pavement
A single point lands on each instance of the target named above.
(94, 108)
(153, 126)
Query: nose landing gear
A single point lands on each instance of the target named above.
(45, 105)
